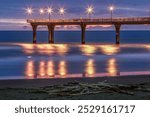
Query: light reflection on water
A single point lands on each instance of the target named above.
(62, 60)
(90, 68)
(51, 69)
(42, 69)
(110, 49)
(112, 67)
(30, 70)
(62, 49)
(45, 69)
(62, 69)
(48, 68)
(45, 49)
(88, 49)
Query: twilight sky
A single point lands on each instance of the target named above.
(13, 16)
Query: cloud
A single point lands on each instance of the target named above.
(13, 21)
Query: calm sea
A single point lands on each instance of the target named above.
(75, 36)
(20, 59)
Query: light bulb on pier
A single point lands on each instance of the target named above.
(49, 11)
(90, 11)
(29, 11)
(111, 8)
(41, 11)
(62, 11)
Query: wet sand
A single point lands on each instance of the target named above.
(34, 83)
(23, 89)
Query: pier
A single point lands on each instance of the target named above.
(83, 23)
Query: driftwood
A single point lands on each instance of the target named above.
(76, 88)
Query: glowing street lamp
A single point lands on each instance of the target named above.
(90, 11)
(149, 12)
(62, 11)
(29, 11)
(111, 8)
(41, 11)
(49, 11)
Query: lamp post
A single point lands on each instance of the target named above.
(62, 11)
(111, 8)
(29, 11)
(90, 11)
(149, 12)
(41, 11)
(49, 11)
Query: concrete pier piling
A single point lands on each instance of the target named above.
(51, 33)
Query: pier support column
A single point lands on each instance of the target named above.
(34, 27)
(51, 33)
(118, 26)
(83, 29)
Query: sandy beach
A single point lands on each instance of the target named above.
(111, 88)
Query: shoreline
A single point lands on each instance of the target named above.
(34, 83)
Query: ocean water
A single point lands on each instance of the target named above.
(67, 58)
(107, 37)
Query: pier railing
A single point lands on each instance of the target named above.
(98, 20)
